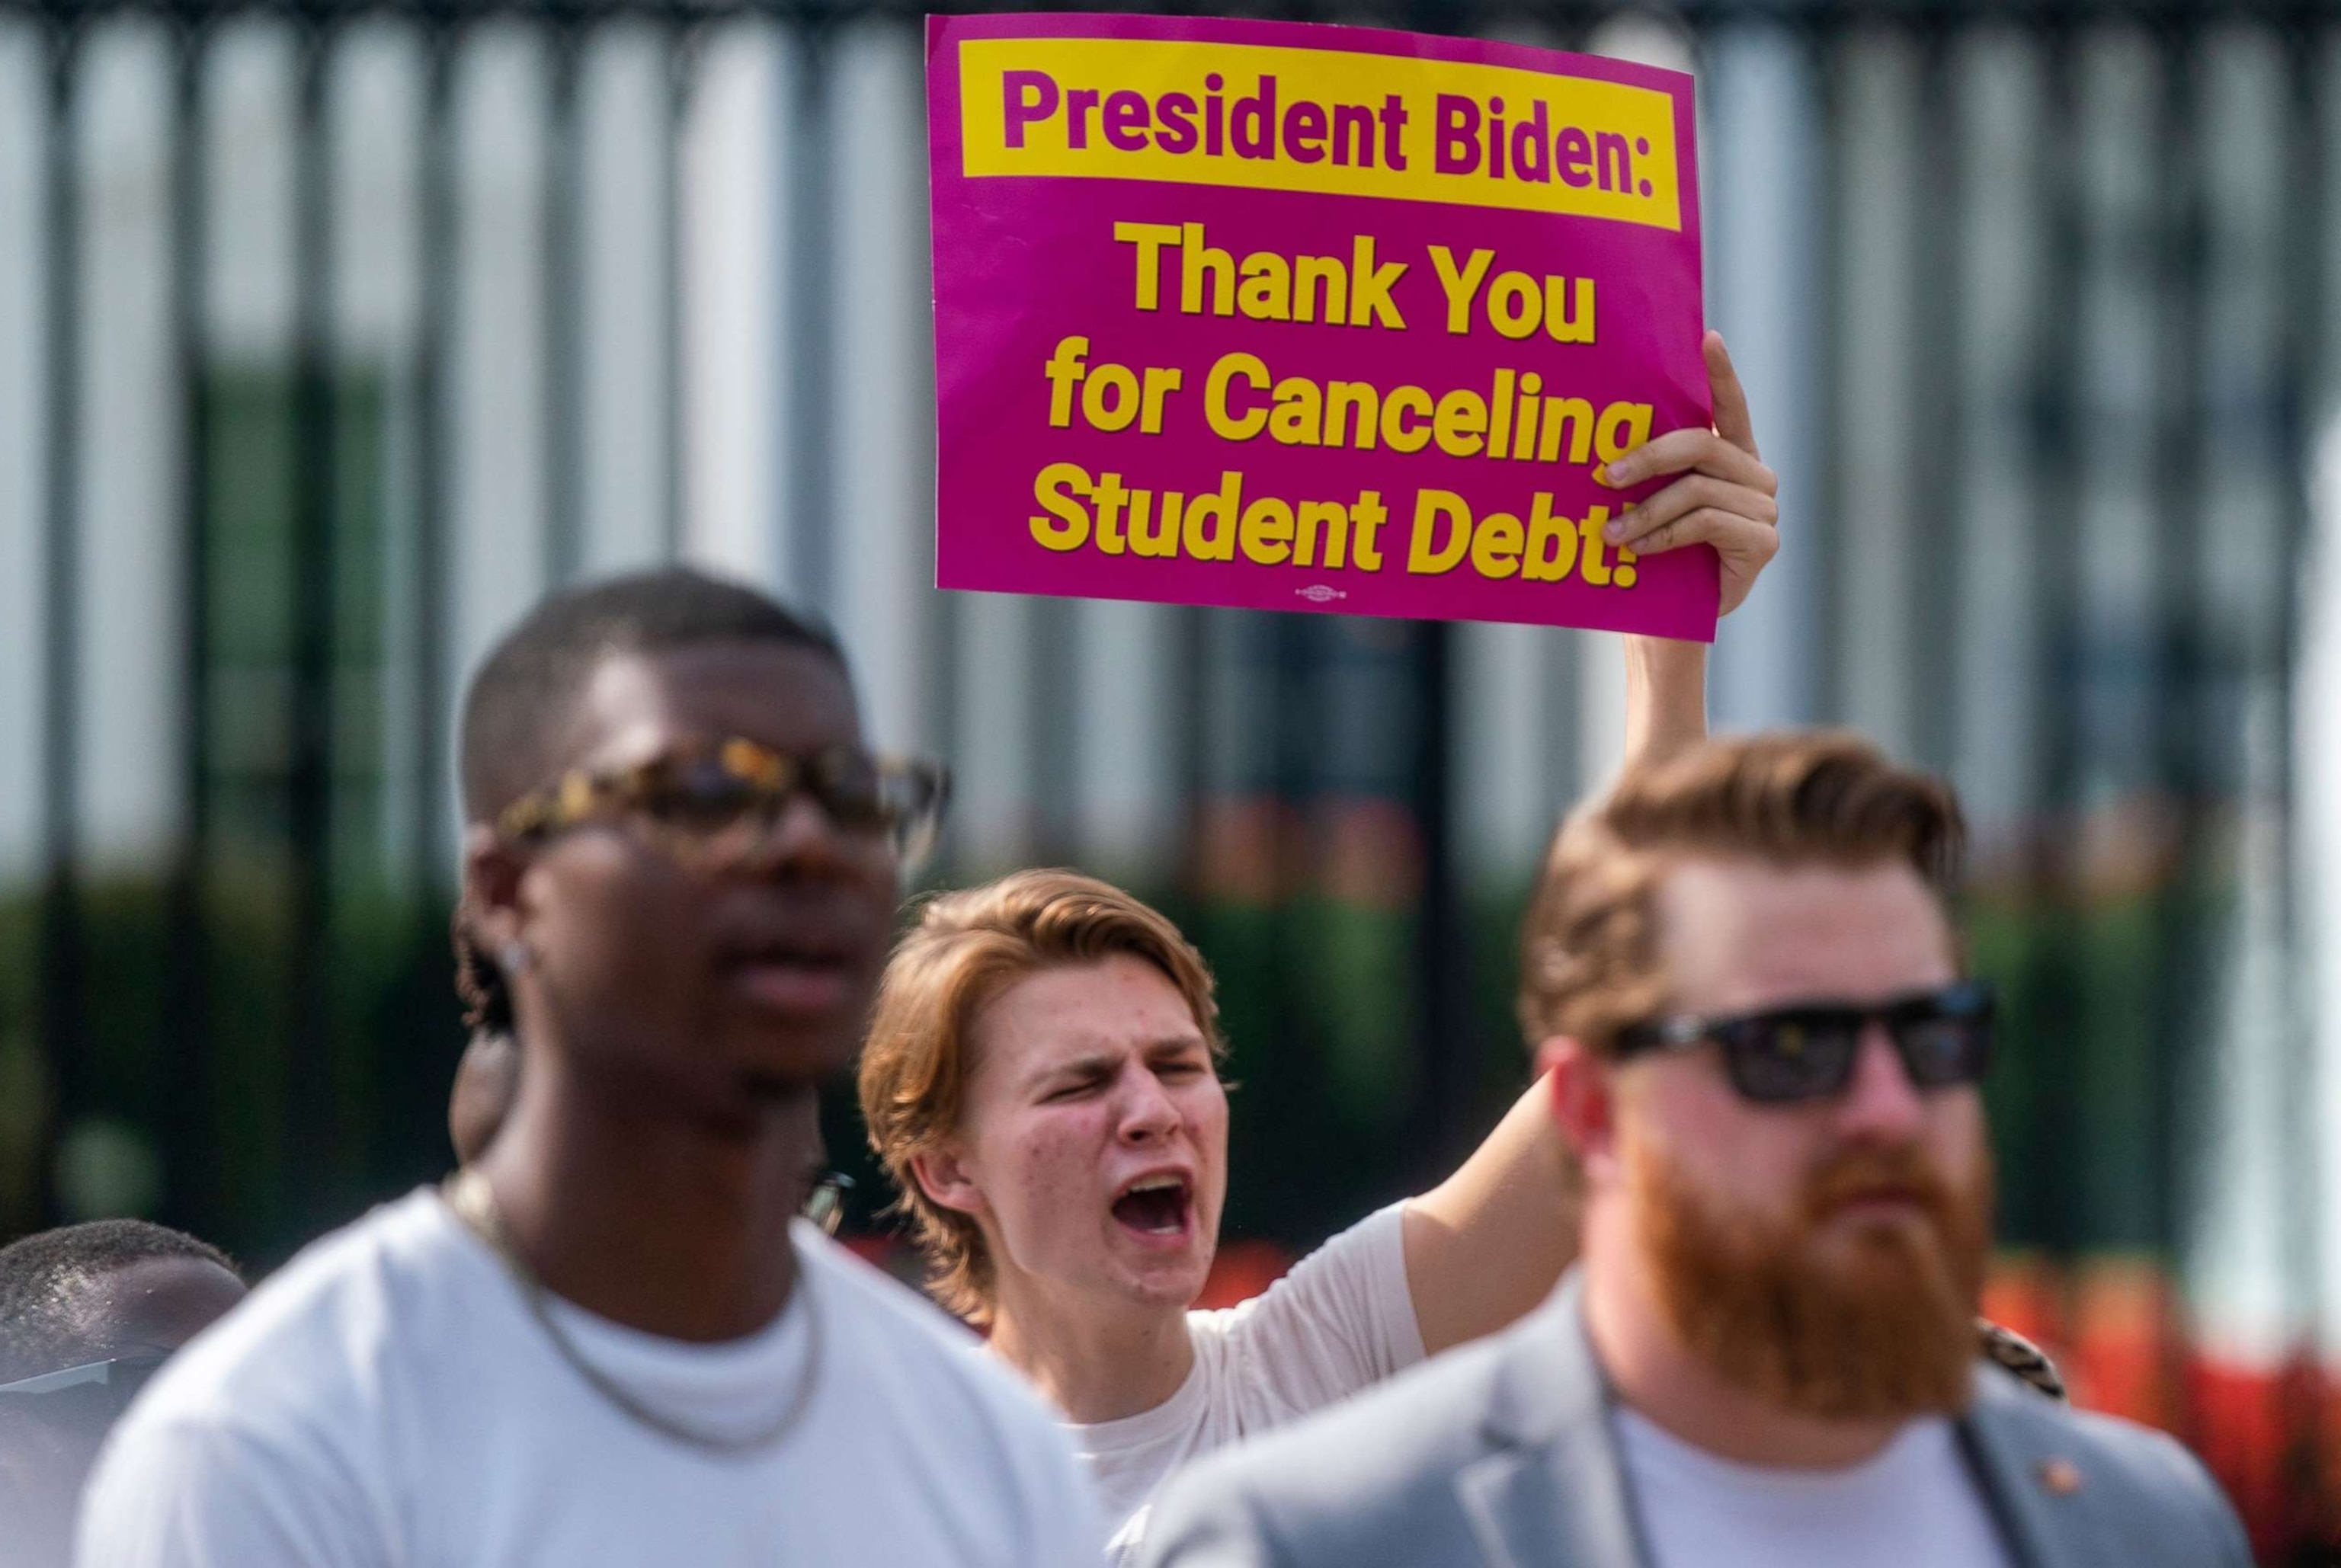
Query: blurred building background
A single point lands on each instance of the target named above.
(330, 337)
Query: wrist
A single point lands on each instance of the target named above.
(1667, 659)
(1666, 697)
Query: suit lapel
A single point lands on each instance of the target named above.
(2016, 1460)
(1563, 1505)
(1552, 1494)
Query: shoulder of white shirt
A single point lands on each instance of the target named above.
(321, 1316)
(904, 1312)
(312, 1321)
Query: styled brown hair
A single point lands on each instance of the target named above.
(966, 948)
(1590, 965)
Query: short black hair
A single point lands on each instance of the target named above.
(44, 1325)
(519, 705)
(518, 709)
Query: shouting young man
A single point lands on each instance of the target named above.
(1743, 981)
(1041, 1081)
(606, 1341)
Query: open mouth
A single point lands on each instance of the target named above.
(790, 981)
(1156, 1205)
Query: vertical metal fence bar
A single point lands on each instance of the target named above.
(1190, 711)
(1272, 652)
(61, 1019)
(564, 315)
(187, 1136)
(812, 335)
(1937, 559)
(315, 1141)
(2053, 980)
(1823, 519)
(1447, 1060)
(2180, 971)
(434, 248)
(671, 315)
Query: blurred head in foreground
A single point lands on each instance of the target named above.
(1042, 1080)
(1742, 972)
(87, 1313)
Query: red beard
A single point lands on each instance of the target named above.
(1881, 1327)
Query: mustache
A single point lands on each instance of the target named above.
(1864, 1172)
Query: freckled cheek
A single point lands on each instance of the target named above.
(1055, 1174)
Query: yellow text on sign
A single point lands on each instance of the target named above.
(1274, 118)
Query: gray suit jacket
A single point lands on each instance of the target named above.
(1502, 1456)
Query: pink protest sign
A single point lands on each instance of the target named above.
(1292, 316)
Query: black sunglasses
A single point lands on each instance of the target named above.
(1807, 1051)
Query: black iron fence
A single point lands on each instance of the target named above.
(331, 336)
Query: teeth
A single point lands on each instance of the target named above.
(1158, 1184)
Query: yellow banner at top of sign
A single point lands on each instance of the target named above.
(1271, 118)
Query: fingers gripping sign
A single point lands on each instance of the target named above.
(1726, 498)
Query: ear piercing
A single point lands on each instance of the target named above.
(514, 958)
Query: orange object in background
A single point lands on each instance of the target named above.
(1242, 1270)
(2117, 1328)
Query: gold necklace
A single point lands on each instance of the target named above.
(473, 1203)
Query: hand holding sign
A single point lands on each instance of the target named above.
(1729, 500)
(1293, 316)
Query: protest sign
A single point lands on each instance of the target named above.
(1297, 316)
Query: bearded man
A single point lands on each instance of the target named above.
(1742, 978)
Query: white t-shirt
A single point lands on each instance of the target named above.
(1342, 1320)
(1914, 1504)
(389, 1401)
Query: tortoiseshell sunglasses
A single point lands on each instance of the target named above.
(716, 803)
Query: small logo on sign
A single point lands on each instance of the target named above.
(1318, 593)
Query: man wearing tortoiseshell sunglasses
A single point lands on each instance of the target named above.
(1741, 974)
(608, 1342)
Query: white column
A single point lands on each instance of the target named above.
(496, 547)
(374, 114)
(1759, 180)
(1508, 792)
(881, 516)
(622, 122)
(995, 737)
(130, 455)
(1129, 798)
(736, 296)
(251, 100)
(24, 445)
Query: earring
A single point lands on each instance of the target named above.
(514, 958)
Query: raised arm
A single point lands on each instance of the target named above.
(1487, 1244)
(1726, 498)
